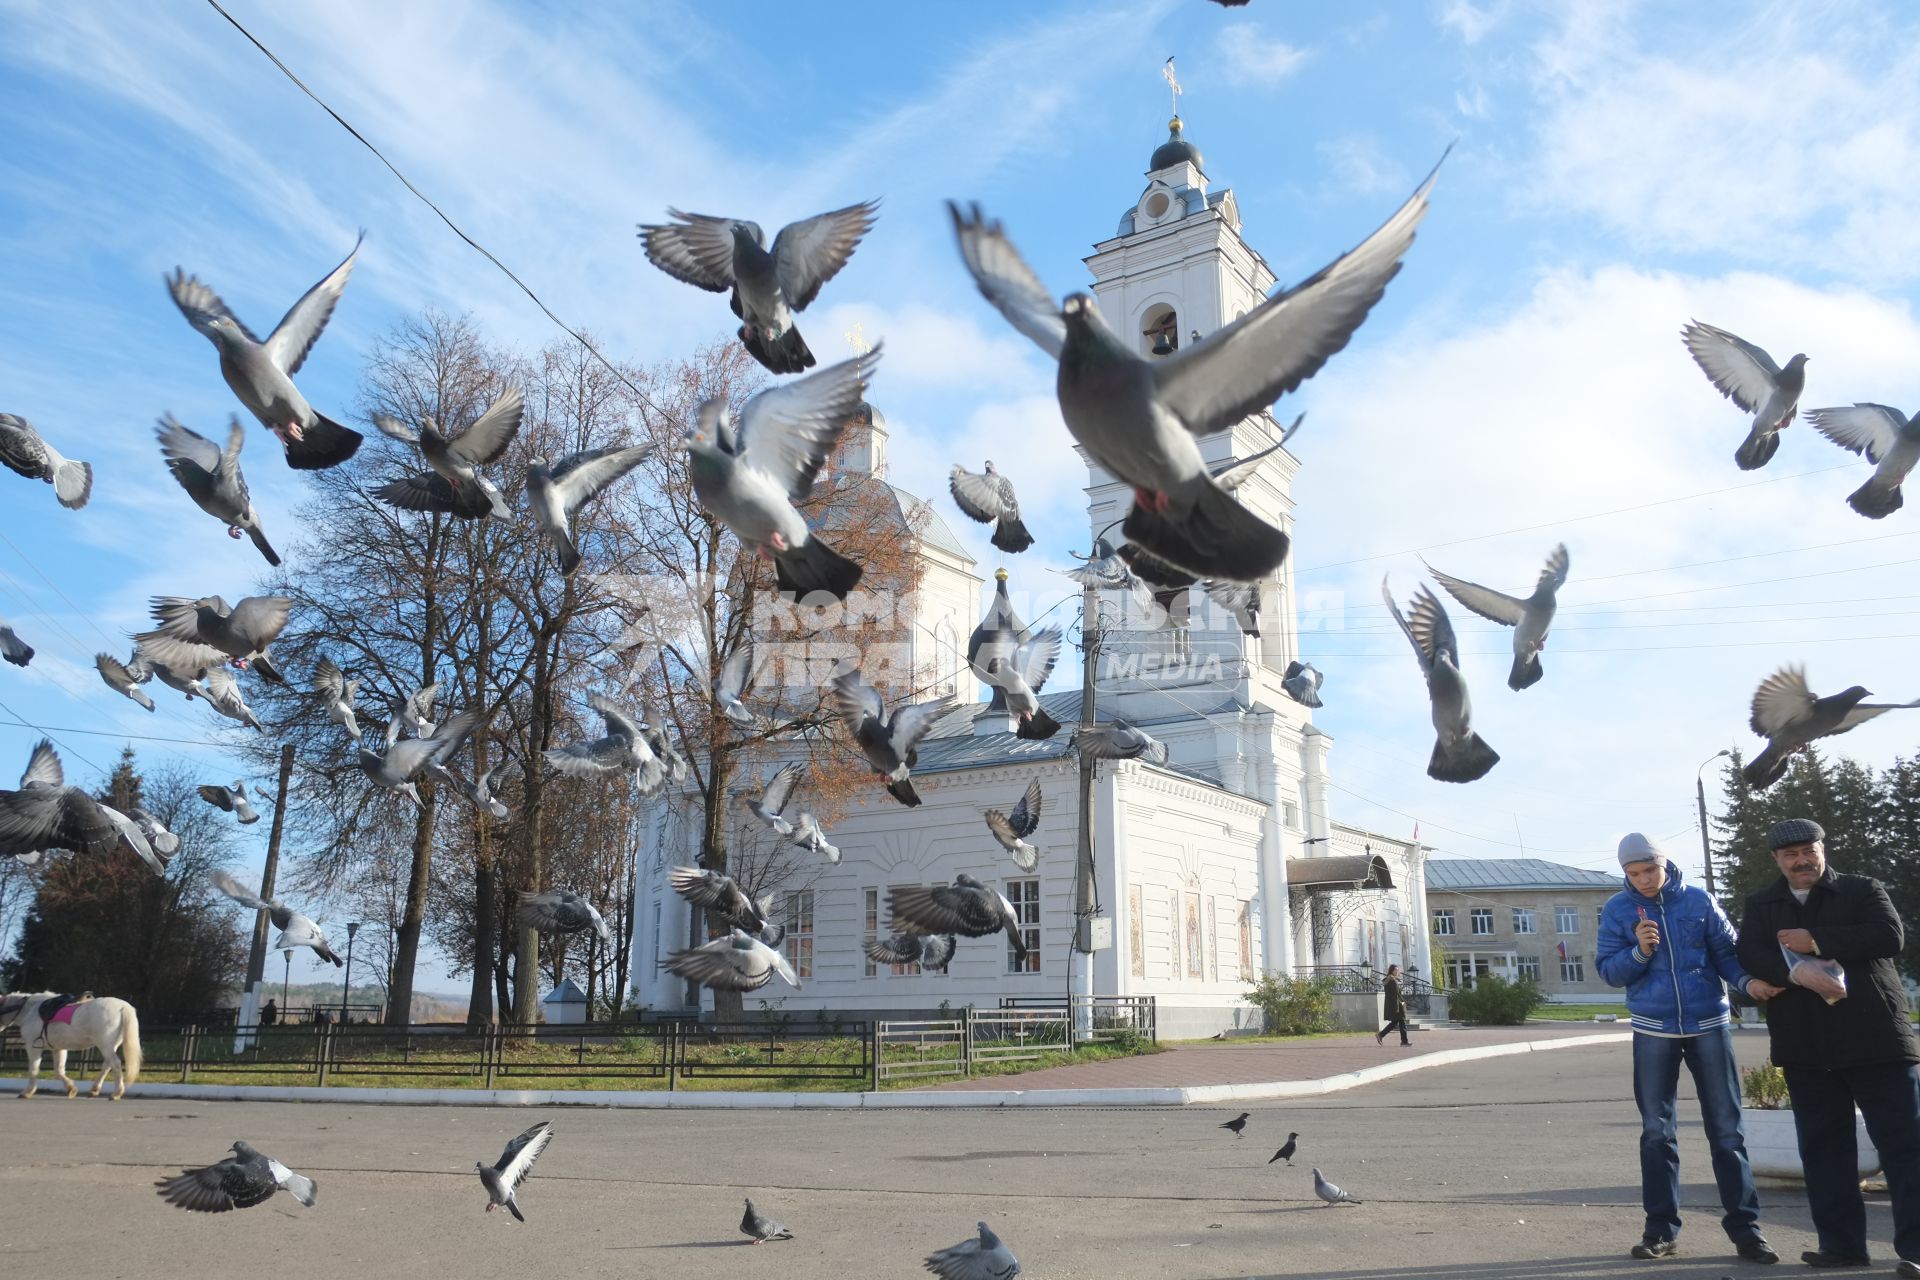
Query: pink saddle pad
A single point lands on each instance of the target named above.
(65, 1014)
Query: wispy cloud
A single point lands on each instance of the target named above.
(1363, 165)
(1252, 59)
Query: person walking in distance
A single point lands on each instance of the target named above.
(1669, 944)
(1843, 1040)
(1395, 1004)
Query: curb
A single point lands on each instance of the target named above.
(684, 1100)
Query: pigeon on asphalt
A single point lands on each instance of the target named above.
(211, 476)
(981, 1258)
(1118, 740)
(756, 1226)
(932, 952)
(261, 373)
(1748, 376)
(730, 691)
(1142, 418)
(46, 813)
(988, 497)
(127, 677)
(22, 450)
(720, 894)
(1330, 1193)
(965, 907)
(889, 745)
(20, 653)
(233, 799)
(132, 837)
(416, 713)
(1286, 1152)
(336, 694)
(224, 696)
(1459, 754)
(503, 1178)
(1789, 717)
(484, 794)
(457, 460)
(244, 1179)
(1529, 618)
(1302, 683)
(1886, 437)
(563, 911)
(189, 628)
(721, 254)
(556, 493)
(1237, 1126)
(737, 962)
(405, 759)
(750, 477)
(623, 747)
(296, 930)
(1022, 675)
(1012, 831)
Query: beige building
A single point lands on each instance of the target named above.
(1519, 917)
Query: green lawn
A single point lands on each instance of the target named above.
(1578, 1012)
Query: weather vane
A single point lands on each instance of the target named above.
(857, 339)
(1173, 83)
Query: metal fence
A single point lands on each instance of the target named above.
(1021, 1029)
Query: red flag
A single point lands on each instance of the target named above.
(1562, 948)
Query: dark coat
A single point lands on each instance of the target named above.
(1395, 1003)
(1852, 921)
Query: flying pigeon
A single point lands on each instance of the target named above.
(757, 1226)
(890, 746)
(720, 894)
(1459, 754)
(1241, 599)
(503, 1178)
(1286, 1152)
(1302, 683)
(233, 799)
(965, 907)
(20, 653)
(1107, 570)
(1022, 675)
(133, 838)
(622, 747)
(729, 693)
(46, 813)
(161, 840)
(555, 493)
(456, 461)
(336, 696)
(932, 952)
(749, 478)
(563, 911)
(1529, 618)
(24, 451)
(1118, 740)
(244, 1179)
(718, 254)
(1141, 419)
(674, 765)
(1237, 1126)
(796, 826)
(1748, 376)
(222, 692)
(189, 678)
(1786, 713)
(296, 930)
(211, 476)
(1011, 832)
(1886, 437)
(261, 373)
(982, 1258)
(1330, 1193)
(416, 712)
(988, 498)
(189, 628)
(404, 760)
(485, 793)
(808, 835)
(737, 962)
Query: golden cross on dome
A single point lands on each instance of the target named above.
(1173, 83)
(857, 339)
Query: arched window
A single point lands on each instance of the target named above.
(1160, 330)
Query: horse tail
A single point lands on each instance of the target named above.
(130, 1045)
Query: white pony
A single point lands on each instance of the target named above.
(105, 1024)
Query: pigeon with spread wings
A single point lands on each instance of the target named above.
(1789, 717)
(190, 628)
(211, 476)
(932, 952)
(1530, 618)
(890, 745)
(622, 747)
(296, 930)
(456, 461)
(1459, 754)
(563, 911)
(982, 1258)
(1747, 375)
(988, 498)
(503, 1178)
(241, 1181)
(1012, 830)
(46, 813)
(966, 907)
(556, 493)
(737, 962)
(1888, 438)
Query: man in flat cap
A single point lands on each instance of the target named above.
(1839, 1046)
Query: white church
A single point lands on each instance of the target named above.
(1223, 864)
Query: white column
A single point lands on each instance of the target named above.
(1422, 939)
(1276, 931)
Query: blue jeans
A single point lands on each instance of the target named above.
(1888, 1095)
(1656, 1083)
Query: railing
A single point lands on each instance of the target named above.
(1417, 991)
(1023, 1028)
(1099, 1017)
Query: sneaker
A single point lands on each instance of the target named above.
(1654, 1249)
(1815, 1258)
(1758, 1250)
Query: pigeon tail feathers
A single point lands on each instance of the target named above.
(1766, 768)
(1218, 538)
(786, 354)
(1526, 673)
(73, 483)
(1758, 449)
(266, 548)
(903, 791)
(1468, 760)
(324, 444)
(1038, 727)
(1010, 534)
(814, 566)
(1875, 502)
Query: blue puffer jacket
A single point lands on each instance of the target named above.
(1677, 990)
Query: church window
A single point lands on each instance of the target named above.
(1025, 897)
(1160, 330)
(870, 923)
(1157, 204)
(798, 917)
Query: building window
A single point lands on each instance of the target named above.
(1290, 815)
(799, 922)
(870, 924)
(1025, 897)
(900, 970)
(1443, 924)
(1523, 921)
(1599, 918)
(1572, 969)
(1483, 920)
(1567, 919)
(1527, 967)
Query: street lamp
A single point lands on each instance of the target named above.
(346, 983)
(1700, 798)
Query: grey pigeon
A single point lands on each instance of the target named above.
(261, 373)
(889, 745)
(416, 713)
(622, 747)
(1886, 437)
(1286, 1152)
(189, 628)
(660, 742)
(720, 894)
(133, 838)
(809, 835)
(336, 694)
(721, 254)
(750, 477)
(737, 962)
(1241, 599)
(46, 813)
(1237, 1126)
(485, 792)
(22, 450)
(223, 695)
(1012, 831)
(932, 952)
(127, 677)
(20, 653)
(966, 907)
(1459, 754)
(1021, 675)
(189, 678)
(211, 476)
(563, 911)
(244, 1179)
(1302, 682)
(730, 691)
(161, 840)
(296, 930)
(1118, 740)
(456, 461)
(1748, 376)
(982, 1258)
(796, 826)
(1142, 419)
(1107, 570)
(988, 497)
(1530, 618)
(1789, 717)
(400, 766)
(758, 1227)
(503, 1178)
(556, 493)
(233, 799)
(1328, 1192)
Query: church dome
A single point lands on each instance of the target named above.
(1175, 150)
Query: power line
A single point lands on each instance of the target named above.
(1652, 648)
(24, 723)
(78, 611)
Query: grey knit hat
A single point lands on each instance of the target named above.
(1635, 847)
(1794, 831)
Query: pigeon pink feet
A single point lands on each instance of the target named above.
(778, 543)
(1154, 502)
(233, 531)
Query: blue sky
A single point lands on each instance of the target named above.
(1618, 170)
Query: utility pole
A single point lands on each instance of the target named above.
(1084, 904)
(1700, 799)
(257, 954)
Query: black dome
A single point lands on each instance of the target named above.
(1175, 150)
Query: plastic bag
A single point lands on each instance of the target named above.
(1825, 978)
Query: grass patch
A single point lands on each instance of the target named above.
(1577, 1012)
(1264, 1038)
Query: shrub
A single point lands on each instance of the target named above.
(1125, 1039)
(1294, 1006)
(1495, 1001)
(1765, 1087)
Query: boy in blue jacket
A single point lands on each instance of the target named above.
(1669, 944)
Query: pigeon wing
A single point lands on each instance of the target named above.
(43, 767)
(808, 254)
(855, 701)
(202, 306)
(1869, 429)
(698, 252)
(735, 672)
(1005, 279)
(713, 965)
(1038, 656)
(259, 620)
(1743, 372)
(619, 724)
(429, 491)
(912, 723)
(583, 476)
(780, 789)
(1492, 605)
(287, 346)
(1432, 630)
(516, 1162)
(493, 431)
(1865, 711)
(232, 888)
(1230, 476)
(181, 444)
(1554, 576)
(1782, 700)
(328, 681)
(1026, 814)
(978, 496)
(789, 429)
